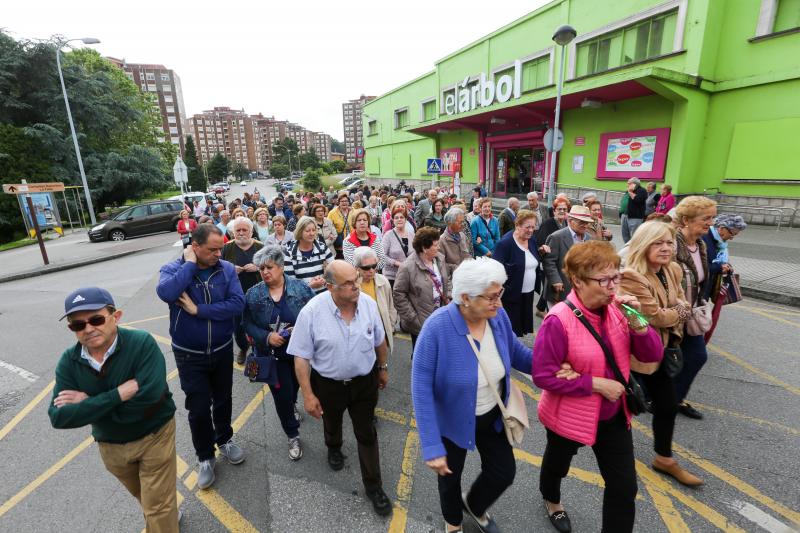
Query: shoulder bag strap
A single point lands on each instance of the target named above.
(609, 356)
(403, 247)
(486, 375)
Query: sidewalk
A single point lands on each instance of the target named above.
(72, 251)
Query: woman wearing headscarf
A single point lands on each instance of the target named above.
(726, 228)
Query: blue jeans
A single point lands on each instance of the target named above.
(695, 356)
(207, 382)
(285, 396)
(633, 225)
(623, 225)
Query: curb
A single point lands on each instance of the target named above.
(67, 266)
(792, 300)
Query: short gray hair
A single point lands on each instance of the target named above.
(474, 276)
(588, 195)
(730, 221)
(452, 214)
(242, 220)
(511, 200)
(361, 253)
(635, 180)
(532, 194)
(272, 253)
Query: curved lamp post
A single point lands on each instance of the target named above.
(59, 46)
(562, 37)
(289, 155)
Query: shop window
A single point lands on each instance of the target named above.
(787, 16)
(647, 39)
(429, 110)
(536, 73)
(401, 118)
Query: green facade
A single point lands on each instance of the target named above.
(712, 71)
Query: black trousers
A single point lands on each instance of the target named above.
(284, 393)
(661, 390)
(498, 469)
(358, 397)
(614, 452)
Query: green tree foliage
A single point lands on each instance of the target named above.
(311, 181)
(279, 171)
(281, 151)
(240, 171)
(309, 159)
(218, 168)
(337, 146)
(327, 168)
(197, 181)
(338, 166)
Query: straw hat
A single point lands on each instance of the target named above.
(579, 212)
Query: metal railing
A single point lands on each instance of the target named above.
(778, 212)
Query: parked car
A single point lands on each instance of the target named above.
(222, 184)
(349, 180)
(142, 219)
(358, 173)
(242, 183)
(288, 185)
(353, 185)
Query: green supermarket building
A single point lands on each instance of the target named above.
(701, 94)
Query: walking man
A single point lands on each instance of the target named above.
(132, 418)
(334, 343)
(204, 296)
(558, 284)
(637, 204)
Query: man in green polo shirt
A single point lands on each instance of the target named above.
(115, 380)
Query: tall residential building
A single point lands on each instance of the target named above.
(165, 85)
(228, 132)
(322, 146)
(353, 134)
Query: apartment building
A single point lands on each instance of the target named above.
(353, 133)
(225, 131)
(322, 146)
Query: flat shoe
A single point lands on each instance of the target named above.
(690, 412)
(490, 527)
(560, 520)
(682, 476)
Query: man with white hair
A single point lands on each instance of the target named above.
(240, 252)
(533, 205)
(424, 207)
(508, 216)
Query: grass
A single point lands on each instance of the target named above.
(16, 244)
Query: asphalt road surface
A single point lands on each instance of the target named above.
(746, 448)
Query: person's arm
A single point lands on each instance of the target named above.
(480, 247)
(646, 346)
(347, 249)
(660, 317)
(378, 247)
(423, 372)
(550, 261)
(301, 346)
(150, 372)
(174, 280)
(252, 329)
(402, 302)
(552, 347)
(302, 369)
(232, 305)
(82, 412)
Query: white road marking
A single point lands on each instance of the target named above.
(760, 518)
(21, 372)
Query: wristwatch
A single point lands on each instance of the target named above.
(384, 367)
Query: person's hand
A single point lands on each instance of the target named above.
(558, 287)
(383, 379)
(250, 267)
(610, 389)
(187, 304)
(566, 372)
(478, 240)
(312, 405)
(69, 396)
(627, 299)
(439, 465)
(316, 282)
(188, 255)
(544, 249)
(488, 254)
(128, 390)
(607, 233)
(275, 339)
(726, 268)
(238, 269)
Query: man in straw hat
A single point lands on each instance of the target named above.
(578, 220)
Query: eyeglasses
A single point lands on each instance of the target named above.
(95, 321)
(368, 267)
(605, 282)
(561, 209)
(493, 299)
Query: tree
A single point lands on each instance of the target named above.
(337, 146)
(311, 181)
(338, 166)
(279, 171)
(309, 159)
(197, 181)
(218, 168)
(240, 170)
(327, 168)
(281, 152)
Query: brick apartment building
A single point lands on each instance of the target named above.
(353, 133)
(228, 132)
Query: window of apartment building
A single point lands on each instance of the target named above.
(536, 73)
(643, 40)
(164, 76)
(129, 74)
(174, 130)
(171, 119)
(175, 140)
(401, 118)
(166, 88)
(170, 109)
(168, 98)
(151, 76)
(144, 86)
(429, 109)
(152, 88)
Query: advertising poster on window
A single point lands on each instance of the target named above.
(641, 153)
(449, 156)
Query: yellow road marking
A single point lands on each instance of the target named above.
(181, 466)
(392, 416)
(27, 409)
(224, 512)
(405, 483)
(766, 314)
(591, 478)
(767, 307)
(249, 409)
(191, 480)
(769, 377)
(44, 476)
(742, 416)
(172, 375)
(404, 336)
(144, 320)
(663, 504)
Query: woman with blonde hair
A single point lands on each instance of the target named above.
(262, 224)
(655, 280)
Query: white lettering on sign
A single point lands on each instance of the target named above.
(470, 94)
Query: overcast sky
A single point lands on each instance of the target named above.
(296, 60)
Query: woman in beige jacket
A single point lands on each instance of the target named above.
(377, 287)
(654, 279)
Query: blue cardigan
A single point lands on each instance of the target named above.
(489, 232)
(444, 377)
(513, 259)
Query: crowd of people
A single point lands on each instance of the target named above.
(311, 288)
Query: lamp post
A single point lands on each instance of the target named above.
(562, 37)
(289, 155)
(85, 40)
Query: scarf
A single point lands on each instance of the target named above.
(722, 247)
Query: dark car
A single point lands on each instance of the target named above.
(150, 217)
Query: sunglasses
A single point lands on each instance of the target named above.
(368, 267)
(95, 321)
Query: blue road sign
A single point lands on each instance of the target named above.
(434, 166)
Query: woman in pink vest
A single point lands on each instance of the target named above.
(582, 403)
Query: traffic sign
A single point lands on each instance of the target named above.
(551, 144)
(25, 188)
(434, 166)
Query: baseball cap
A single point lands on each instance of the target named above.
(87, 299)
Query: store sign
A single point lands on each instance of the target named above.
(470, 93)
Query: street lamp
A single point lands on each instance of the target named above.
(289, 155)
(562, 37)
(59, 46)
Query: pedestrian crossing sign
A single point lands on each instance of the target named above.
(434, 166)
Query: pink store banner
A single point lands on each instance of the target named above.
(641, 153)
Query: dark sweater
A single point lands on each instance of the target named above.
(136, 356)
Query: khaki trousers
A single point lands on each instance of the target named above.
(148, 470)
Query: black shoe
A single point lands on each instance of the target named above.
(688, 411)
(241, 355)
(491, 525)
(335, 458)
(380, 502)
(559, 519)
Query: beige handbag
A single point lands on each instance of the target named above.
(515, 414)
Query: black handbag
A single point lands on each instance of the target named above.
(634, 394)
(673, 357)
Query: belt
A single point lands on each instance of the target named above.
(345, 382)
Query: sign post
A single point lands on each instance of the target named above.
(434, 167)
(35, 223)
(26, 189)
(180, 173)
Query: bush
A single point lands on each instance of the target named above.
(338, 166)
(311, 181)
(327, 168)
(279, 171)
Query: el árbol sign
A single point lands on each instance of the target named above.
(480, 91)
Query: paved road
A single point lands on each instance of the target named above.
(54, 480)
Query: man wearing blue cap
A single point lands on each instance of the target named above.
(115, 380)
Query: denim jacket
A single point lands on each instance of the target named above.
(258, 308)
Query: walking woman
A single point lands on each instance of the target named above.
(280, 235)
(655, 281)
(377, 287)
(454, 243)
(485, 231)
(436, 218)
(422, 284)
(518, 252)
(326, 232)
(262, 224)
(582, 403)
(725, 228)
(362, 236)
(186, 225)
(306, 258)
(454, 399)
(695, 215)
(271, 308)
(396, 243)
(339, 215)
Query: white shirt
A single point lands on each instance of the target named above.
(490, 358)
(529, 280)
(92, 361)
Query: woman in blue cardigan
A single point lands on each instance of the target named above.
(518, 252)
(453, 400)
(485, 231)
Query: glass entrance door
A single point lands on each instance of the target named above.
(500, 172)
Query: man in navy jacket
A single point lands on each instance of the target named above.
(204, 296)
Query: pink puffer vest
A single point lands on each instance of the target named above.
(576, 417)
